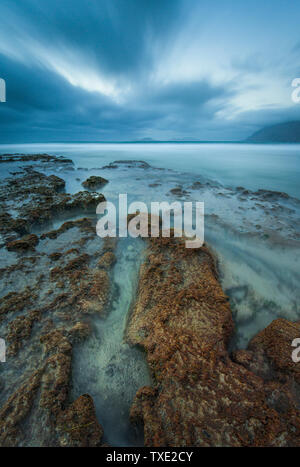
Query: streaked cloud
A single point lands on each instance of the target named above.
(128, 69)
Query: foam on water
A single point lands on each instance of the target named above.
(260, 278)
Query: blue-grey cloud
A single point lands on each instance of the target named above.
(128, 69)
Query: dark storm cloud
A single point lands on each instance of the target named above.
(189, 94)
(115, 35)
(38, 99)
(104, 70)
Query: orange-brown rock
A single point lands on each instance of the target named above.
(84, 224)
(201, 396)
(107, 260)
(94, 182)
(273, 347)
(28, 242)
(15, 302)
(16, 409)
(78, 425)
(42, 323)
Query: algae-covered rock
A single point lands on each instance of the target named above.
(203, 396)
(28, 242)
(94, 182)
(49, 291)
(78, 425)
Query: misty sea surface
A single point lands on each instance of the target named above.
(268, 166)
(254, 235)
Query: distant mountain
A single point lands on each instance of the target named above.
(288, 132)
(145, 140)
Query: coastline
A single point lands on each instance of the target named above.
(58, 289)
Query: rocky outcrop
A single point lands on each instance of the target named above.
(44, 158)
(178, 191)
(36, 199)
(270, 351)
(129, 164)
(28, 242)
(78, 425)
(202, 395)
(51, 285)
(94, 182)
(42, 325)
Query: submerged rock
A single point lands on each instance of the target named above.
(196, 185)
(268, 194)
(178, 191)
(127, 164)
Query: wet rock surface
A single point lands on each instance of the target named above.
(44, 158)
(202, 395)
(34, 198)
(52, 285)
(128, 164)
(94, 182)
(28, 242)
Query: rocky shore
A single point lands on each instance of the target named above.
(202, 395)
(55, 281)
(56, 276)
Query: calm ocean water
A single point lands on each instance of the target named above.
(273, 167)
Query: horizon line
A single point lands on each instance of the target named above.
(148, 142)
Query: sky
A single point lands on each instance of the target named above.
(123, 70)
